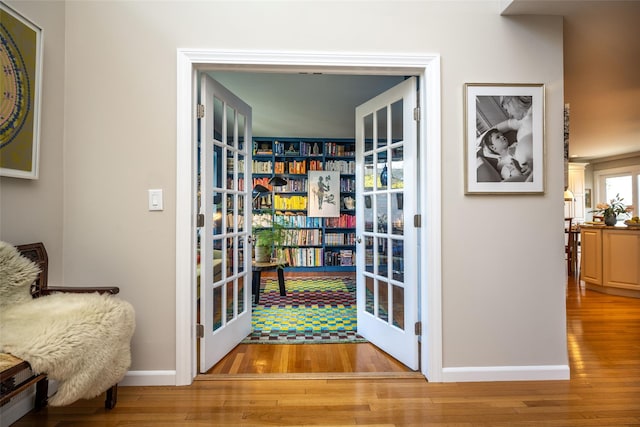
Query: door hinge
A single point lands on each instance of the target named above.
(200, 111)
(416, 114)
(418, 328)
(200, 220)
(417, 221)
(199, 331)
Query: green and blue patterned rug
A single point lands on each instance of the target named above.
(316, 309)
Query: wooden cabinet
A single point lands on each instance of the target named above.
(621, 259)
(611, 260)
(591, 255)
(576, 209)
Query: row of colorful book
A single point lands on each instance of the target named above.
(304, 257)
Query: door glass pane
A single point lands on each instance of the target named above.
(217, 118)
(368, 133)
(382, 171)
(397, 213)
(381, 118)
(217, 166)
(397, 129)
(368, 254)
(231, 165)
(368, 214)
(230, 209)
(217, 308)
(240, 172)
(398, 306)
(241, 305)
(229, 300)
(368, 172)
(229, 252)
(217, 260)
(381, 211)
(240, 212)
(241, 254)
(231, 119)
(369, 294)
(242, 120)
(217, 213)
(383, 256)
(398, 259)
(383, 300)
(397, 165)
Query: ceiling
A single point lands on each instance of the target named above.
(304, 105)
(601, 72)
(602, 83)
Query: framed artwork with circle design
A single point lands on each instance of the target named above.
(21, 58)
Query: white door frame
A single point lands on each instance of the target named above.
(426, 66)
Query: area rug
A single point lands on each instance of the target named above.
(316, 309)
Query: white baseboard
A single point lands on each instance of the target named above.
(506, 373)
(148, 378)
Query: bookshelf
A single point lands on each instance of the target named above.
(311, 243)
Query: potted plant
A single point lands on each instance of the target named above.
(611, 210)
(267, 240)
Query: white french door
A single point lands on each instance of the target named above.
(386, 202)
(225, 202)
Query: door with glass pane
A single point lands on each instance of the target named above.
(386, 202)
(224, 288)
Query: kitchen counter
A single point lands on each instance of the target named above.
(610, 259)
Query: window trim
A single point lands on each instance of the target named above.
(600, 176)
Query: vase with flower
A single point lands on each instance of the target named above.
(611, 210)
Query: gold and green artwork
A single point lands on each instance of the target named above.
(20, 54)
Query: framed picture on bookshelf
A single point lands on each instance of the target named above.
(324, 194)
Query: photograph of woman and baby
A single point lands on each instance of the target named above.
(504, 138)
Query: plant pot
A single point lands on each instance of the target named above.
(263, 254)
(610, 220)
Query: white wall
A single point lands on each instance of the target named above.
(32, 210)
(502, 256)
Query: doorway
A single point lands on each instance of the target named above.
(427, 67)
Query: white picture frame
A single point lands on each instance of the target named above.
(504, 138)
(21, 55)
(324, 194)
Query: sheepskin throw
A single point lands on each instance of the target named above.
(17, 273)
(80, 340)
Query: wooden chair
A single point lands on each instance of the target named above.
(37, 253)
(568, 246)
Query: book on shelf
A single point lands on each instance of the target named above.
(261, 166)
(346, 257)
(290, 202)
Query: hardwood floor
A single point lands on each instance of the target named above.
(259, 359)
(604, 390)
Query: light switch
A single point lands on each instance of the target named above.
(155, 200)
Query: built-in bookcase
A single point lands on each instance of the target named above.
(311, 242)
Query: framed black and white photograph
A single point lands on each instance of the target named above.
(324, 194)
(21, 56)
(504, 138)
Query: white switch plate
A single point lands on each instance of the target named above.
(155, 200)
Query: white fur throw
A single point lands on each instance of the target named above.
(80, 340)
(17, 273)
